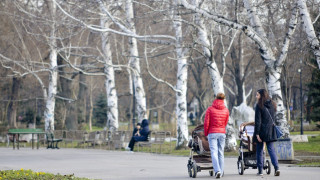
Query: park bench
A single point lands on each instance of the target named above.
(155, 138)
(52, 142)
(94, 138)
(160, 138)
(147, 143)
(74, 136)
(116, 141)
(17, 132)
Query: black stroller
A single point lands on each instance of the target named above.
(202, 160)
(247, 150)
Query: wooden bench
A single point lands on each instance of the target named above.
(155, 138)
(17, 132)
(147, 143)
(160, 137)
(51, 141)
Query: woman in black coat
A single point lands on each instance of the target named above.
(142, 136)
(263, 131)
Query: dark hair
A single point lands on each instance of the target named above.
(264, 96)
(220, 96)
(138, 124)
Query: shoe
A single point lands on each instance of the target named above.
(218, 175)
(277, 172)
(260, 173)
(127, 149)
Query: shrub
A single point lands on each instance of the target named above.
(30, 175)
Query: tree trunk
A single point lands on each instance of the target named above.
(53, 75)
(215, 75)
(71, 122)
(141, 107)
(182, 77)
(90, 104)
(13, 104)
(82, 97)
(111, 92)
(257, 34)
(309, 29)
(273, 65)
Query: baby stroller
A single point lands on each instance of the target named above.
(202, 160)
(247, 150)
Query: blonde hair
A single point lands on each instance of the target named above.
(220, 96)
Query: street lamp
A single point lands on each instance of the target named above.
(301, 99)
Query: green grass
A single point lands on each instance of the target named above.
(167, 149)
(30, 175)
(308, 148)
(305, 133)
(310, 163)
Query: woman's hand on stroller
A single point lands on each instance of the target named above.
(258, 138)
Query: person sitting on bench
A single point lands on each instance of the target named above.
(139, 134)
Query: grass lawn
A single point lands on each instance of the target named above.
(306, 133)
(309, 164)
(308, 148)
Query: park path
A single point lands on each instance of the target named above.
(102, 164)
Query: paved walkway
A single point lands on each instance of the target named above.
(102, 164)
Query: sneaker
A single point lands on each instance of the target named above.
(218, 175)
(277, 172)
(127, 149)
(260, 173)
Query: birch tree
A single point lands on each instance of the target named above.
(309, 29)
(182, 77)
(256, 33)
(134, 63)
(53, 75)
(112, 98)
(216, 75)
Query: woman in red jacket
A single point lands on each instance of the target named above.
(215, 123)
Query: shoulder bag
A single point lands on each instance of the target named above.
(276, 128)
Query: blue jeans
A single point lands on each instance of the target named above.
(272, 154)
(216, 143)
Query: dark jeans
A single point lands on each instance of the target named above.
(134, 139)
(272, 154)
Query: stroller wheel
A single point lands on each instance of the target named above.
(211, 173)
(193, 170)
(190, 171)
(240, 167)
(268, 168)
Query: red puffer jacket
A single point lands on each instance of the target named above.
(216, 118)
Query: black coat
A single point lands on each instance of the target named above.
(144, 132)
(264, 124)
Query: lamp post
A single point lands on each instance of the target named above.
(301, 99)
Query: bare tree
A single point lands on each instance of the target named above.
(258, 35)
(309, 29)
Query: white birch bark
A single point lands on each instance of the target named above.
(182, 77)
(309, 29)
(134, 63)
(111, 92)
(215, 75)
(53, 75)
(273, 65)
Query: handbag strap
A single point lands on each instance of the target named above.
(270, 116)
